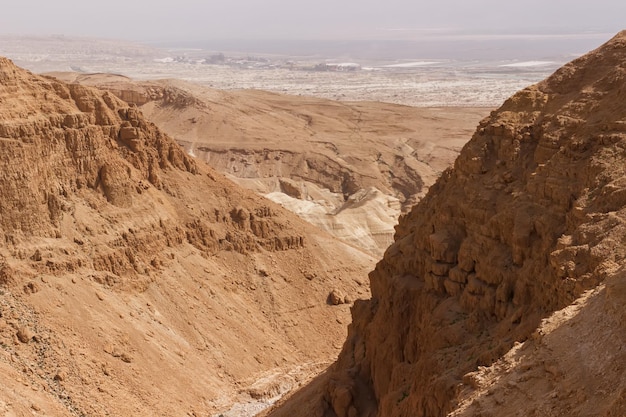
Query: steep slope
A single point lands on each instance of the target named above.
(532, 215)
(349, 168)
(136, 281)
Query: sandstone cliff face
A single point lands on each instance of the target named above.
(533, 214)
(135, 281)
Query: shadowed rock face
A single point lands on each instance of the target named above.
(136, 281)
(533, 214)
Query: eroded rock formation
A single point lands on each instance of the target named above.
(348, 168)
(532, 215)
(135, 281)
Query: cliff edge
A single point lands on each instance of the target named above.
(488, 297)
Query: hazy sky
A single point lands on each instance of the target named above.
(290, 19)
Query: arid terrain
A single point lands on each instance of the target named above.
(137, 281)
(504, 291)
(424, 74)
(349, 168)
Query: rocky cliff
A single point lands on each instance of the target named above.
(136, 281)
(532, 215)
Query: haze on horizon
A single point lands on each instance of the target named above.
(161, 20)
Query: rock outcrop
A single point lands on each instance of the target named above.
(137, 281)
(532, 215)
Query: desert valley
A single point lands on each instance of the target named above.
(200, 234)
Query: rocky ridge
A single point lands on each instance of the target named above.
(348, 168)
(135, 280)
(489, 300)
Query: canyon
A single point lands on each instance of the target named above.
(135, 279)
